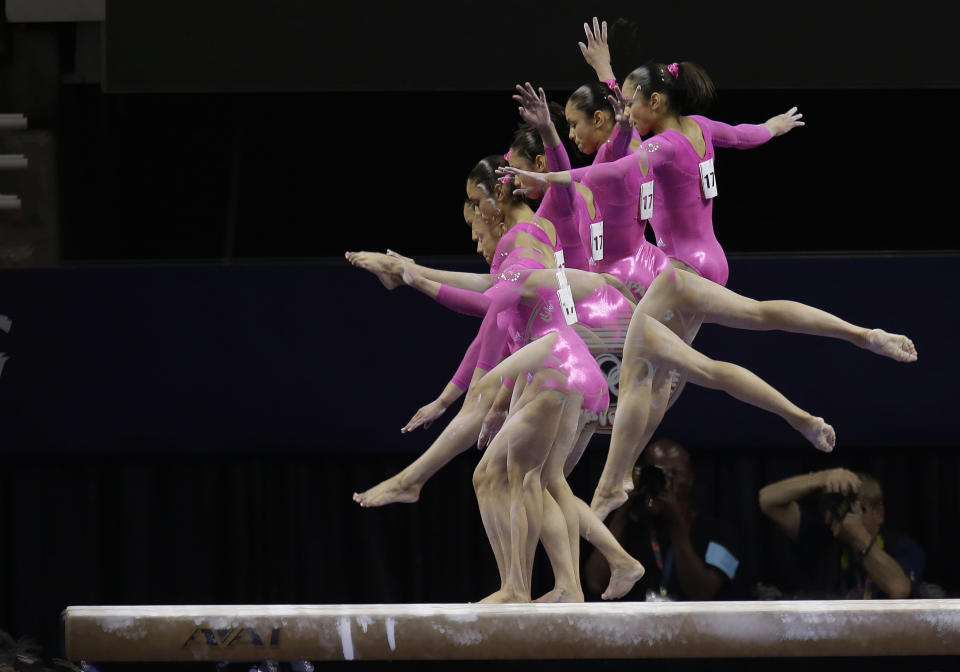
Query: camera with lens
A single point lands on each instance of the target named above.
(649, 481)
(838, 504)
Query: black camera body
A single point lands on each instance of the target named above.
(649, 481)
(838, 504)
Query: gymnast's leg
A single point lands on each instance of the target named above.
(529, 434)
(582, 522)
(676, 291)
(456, 437)
(664, 350)
(643, 400)
(561, 537)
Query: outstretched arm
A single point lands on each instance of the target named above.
(748, 136)
(389, 267)
(561, 177)
(466, 301)
(778, 501)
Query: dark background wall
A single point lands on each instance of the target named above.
(187, 404)
(297, 45)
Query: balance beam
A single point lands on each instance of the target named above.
(174, 633)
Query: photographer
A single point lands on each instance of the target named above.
(685, 552)
(834, 518)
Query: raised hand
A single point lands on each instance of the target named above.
(533, 107)
(425, 416)
(596, 52)
(840, 481)
(782, 123)
(619, 104)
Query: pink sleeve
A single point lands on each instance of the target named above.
(658, 150)
(742, 136)
(464, 373)
(617, 146)
(577, 174)
(561, 206)
(463, 301)
(493, 340)
(617, 182)
(503, 296)
(558, 161)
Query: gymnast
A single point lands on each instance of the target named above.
(685, 315)
(599, 304)
(436, 456)
(664, 356)
(663, 99)
(605, 207)
(496, 210)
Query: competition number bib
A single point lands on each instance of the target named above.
(646, 201)
(596, 240)
(708, 179)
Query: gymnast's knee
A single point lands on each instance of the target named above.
(482, 392)
(480, 477)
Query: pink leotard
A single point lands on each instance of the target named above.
(619, 144)
(682, 218)
(476, 304)
(508, 251)
(509, 321)
(513, 323)
(627, 254)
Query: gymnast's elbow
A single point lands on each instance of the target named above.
(765, 502)
(900, 589)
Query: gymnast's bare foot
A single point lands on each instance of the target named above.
(893, 346)
(819, 433)
(391, 491)
(622, 577)
(379, 264)
(504, 596)
(559, 594)
(605, 502)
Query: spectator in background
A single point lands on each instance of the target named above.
(835, 519)
(688, 555)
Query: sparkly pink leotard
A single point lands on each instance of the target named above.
(512, 323)
(627, 254)
(682, 218)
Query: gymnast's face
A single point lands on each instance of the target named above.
(587, 131)
(538, 166)
(486, 237)
(485, 205)
(643, 112)
(470, 216)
